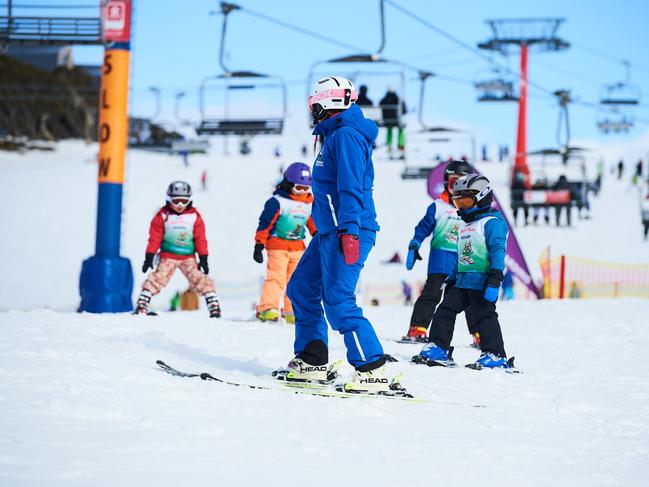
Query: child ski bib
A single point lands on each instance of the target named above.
(292, 220)
(179, 234)
(472, 252)
(447, 227)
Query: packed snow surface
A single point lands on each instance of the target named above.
(82, 402)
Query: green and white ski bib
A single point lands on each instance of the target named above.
(291, 223)
(179, 234)
(447, 227)
(472, 252)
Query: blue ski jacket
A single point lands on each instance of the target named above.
(481, 247)
(343, 174)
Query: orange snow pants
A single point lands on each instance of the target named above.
(159, 278)
(280, 267)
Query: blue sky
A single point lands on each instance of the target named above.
(176, 43)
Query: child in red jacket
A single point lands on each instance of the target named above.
(178, 231)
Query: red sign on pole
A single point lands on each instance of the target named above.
(116, 20)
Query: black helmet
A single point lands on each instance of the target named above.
(457, 168)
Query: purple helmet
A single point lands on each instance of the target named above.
(298, 173)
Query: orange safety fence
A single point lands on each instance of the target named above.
(573, 277)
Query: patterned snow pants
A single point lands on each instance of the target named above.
(159, 278)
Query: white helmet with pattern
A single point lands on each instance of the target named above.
(332, 93)
(475, 187)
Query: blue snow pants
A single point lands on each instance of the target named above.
(323, 278)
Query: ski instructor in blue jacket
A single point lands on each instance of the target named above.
(327, 274)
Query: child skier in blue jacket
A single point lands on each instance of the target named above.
(327, 274)
(442, 221)
(476, 280)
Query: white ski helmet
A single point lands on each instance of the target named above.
(332, 93)
(476, 187)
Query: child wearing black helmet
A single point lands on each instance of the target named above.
(476, 280)
(442, 221)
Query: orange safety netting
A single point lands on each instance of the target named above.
(584, 278)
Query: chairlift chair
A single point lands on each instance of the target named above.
(620, 94)
(227, 124)
(446, 132)
(231, 81)
(495, 86)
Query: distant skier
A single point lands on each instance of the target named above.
(343, 210)
(644, 208)
(363, 99)
(476, 282)
(562, 184)
(178, 232)
(442, 221)
(392, 110)
(620, 169)
(281, 231)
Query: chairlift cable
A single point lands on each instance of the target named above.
(608, 57)
(459, 42)
(301, 30)
(466, 46)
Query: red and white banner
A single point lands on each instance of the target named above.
(116, 20)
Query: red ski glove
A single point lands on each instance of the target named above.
(350, 248)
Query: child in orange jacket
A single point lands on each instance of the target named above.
(281, 231)
(178, 231)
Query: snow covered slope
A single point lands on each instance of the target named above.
(81, 402)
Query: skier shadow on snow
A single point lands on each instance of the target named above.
(156, 341)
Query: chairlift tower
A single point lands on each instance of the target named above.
(509, 35)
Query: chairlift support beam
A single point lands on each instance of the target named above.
(523, 34)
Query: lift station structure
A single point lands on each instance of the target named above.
(509, 35)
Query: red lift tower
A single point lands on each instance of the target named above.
(523, 34)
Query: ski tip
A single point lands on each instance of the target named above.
(510, 362)
(389, 358)
(160, 362)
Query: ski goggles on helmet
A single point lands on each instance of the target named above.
(301, 189)
(465, 193)
(465, 199)
(179, 201)
(334, 97)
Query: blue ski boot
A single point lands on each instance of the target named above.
(493, 361)
(432, 355)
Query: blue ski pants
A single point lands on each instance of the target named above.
(323, 278)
